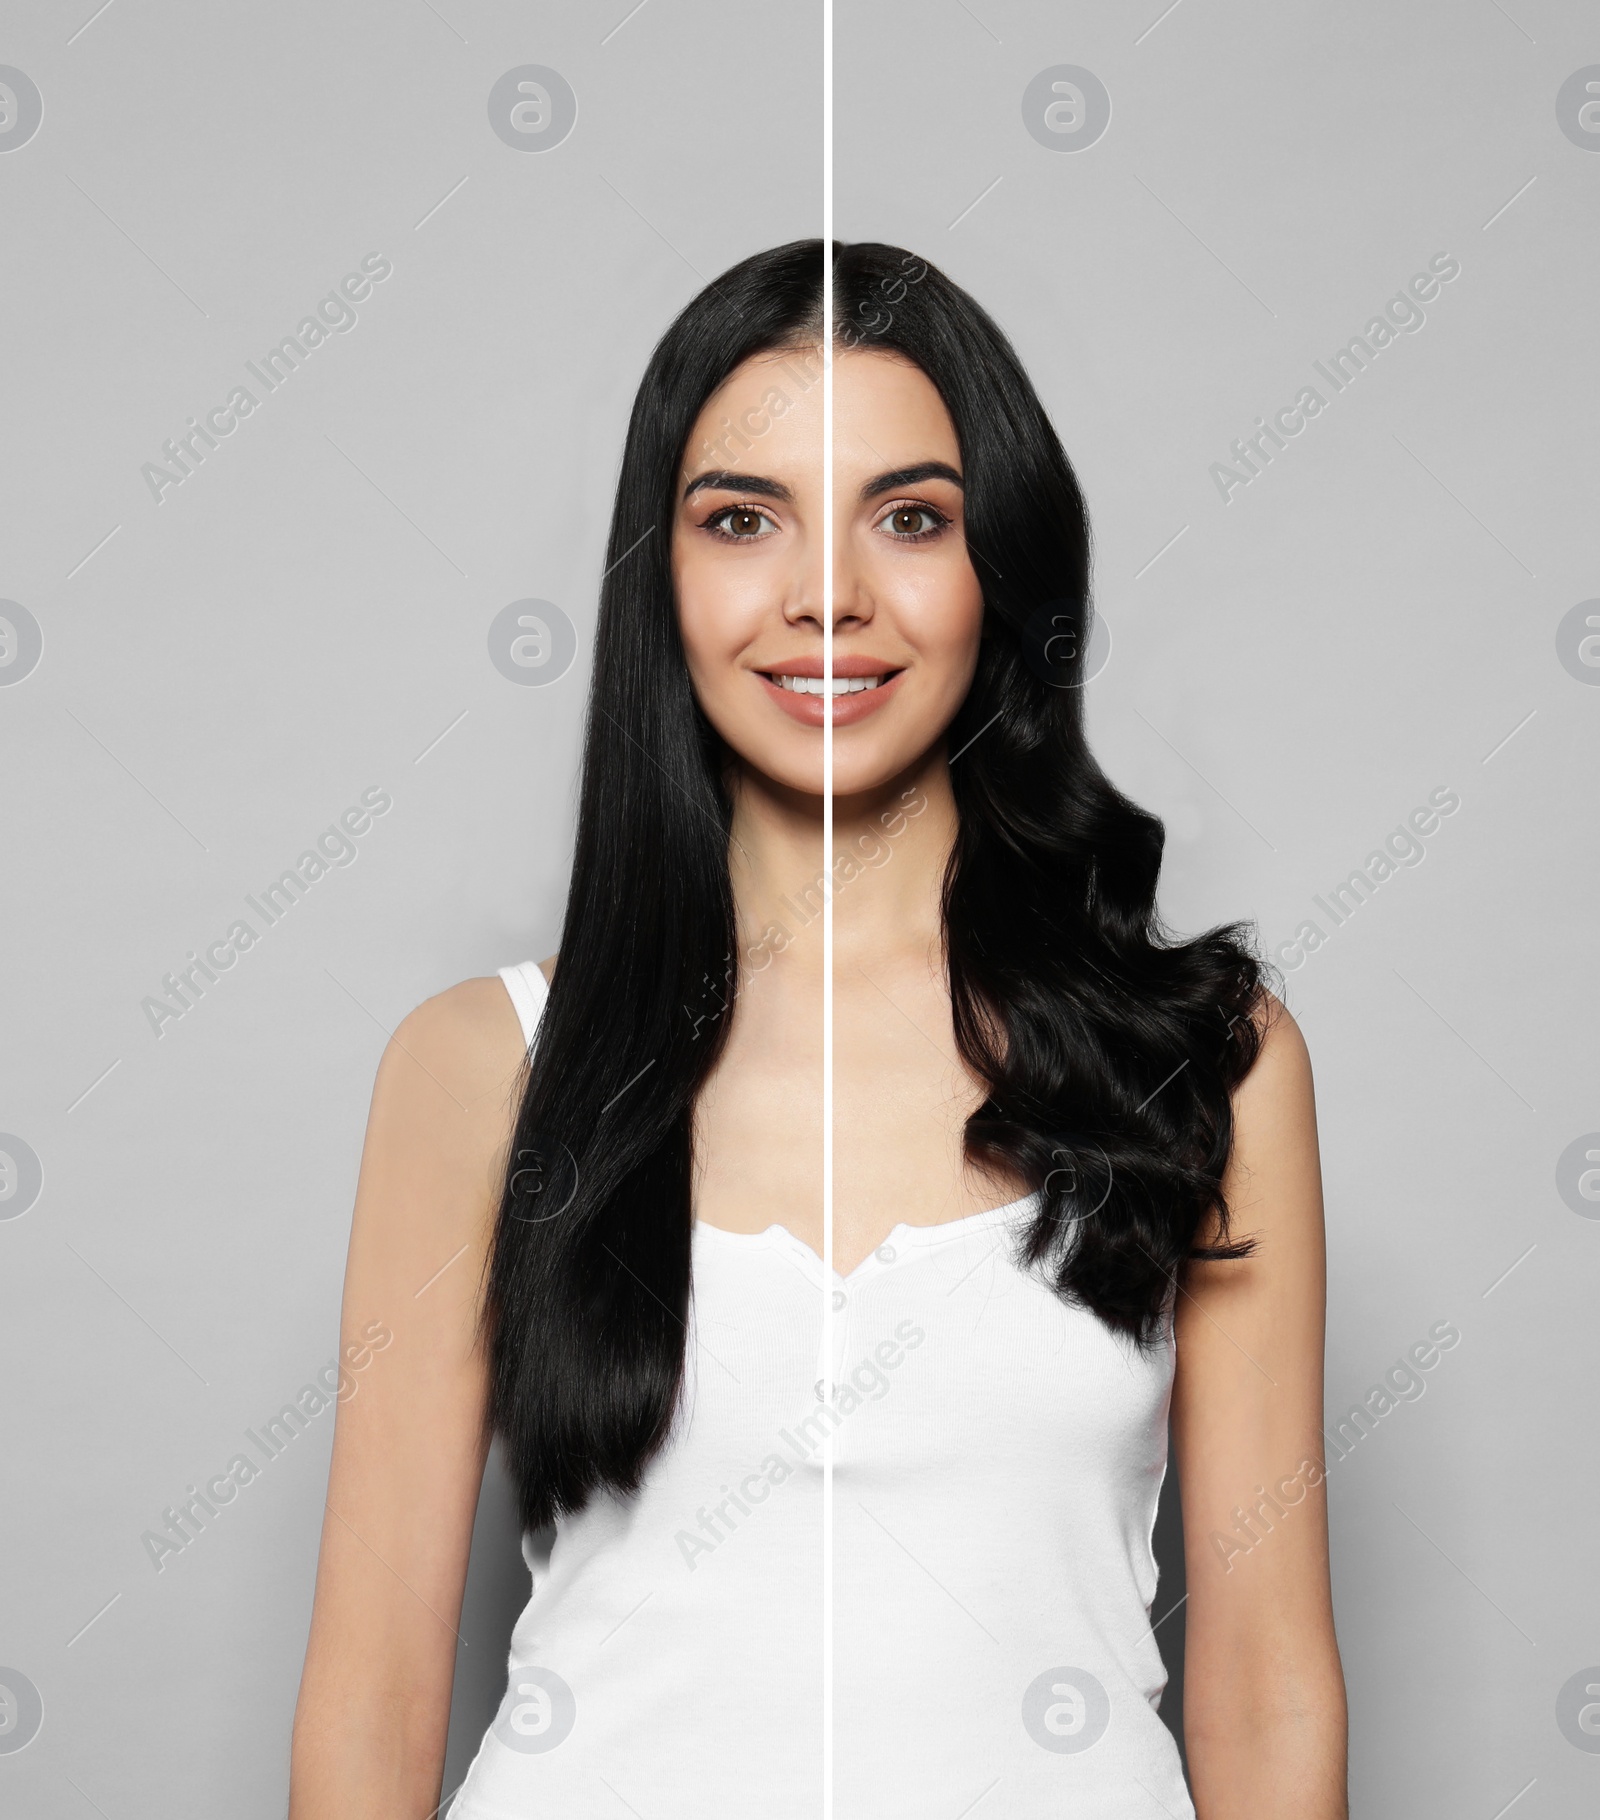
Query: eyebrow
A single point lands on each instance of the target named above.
(722, 480)
(898, 478)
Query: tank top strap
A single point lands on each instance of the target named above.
(529, 991)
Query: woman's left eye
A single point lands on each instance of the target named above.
(910, 524)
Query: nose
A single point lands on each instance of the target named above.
(851, 606)
(852, 593)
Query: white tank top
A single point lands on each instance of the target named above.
(997, 1461)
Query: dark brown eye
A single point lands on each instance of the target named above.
(911, 522)
(744, 523)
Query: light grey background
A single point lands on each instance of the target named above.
(1373, 617)
(304, 617)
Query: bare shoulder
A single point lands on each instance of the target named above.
(548, 969)
(467, 1038)
(1281, 1074)
(1274, 1171)
(445, 1099)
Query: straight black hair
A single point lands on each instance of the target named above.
(1108, 1047)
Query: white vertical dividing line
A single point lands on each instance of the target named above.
(827, 903)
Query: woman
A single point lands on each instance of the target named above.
(1076, 1179)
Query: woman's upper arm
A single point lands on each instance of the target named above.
(411, 1433)
(1247, 1423)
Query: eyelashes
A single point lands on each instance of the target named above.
(940, 522)
(714, 527)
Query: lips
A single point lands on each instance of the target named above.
(859, 688)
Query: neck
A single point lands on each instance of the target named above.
(888, 857)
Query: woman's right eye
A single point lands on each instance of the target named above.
(739, 524)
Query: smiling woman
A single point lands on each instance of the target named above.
(1051, 1112)
(907, 603)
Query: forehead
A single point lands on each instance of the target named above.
(887, 412)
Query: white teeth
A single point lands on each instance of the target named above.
(814, 685)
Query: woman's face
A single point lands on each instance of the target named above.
(747, 565)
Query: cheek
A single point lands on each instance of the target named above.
(720, 609)
(941, 609)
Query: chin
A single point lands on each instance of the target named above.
(864, 760)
